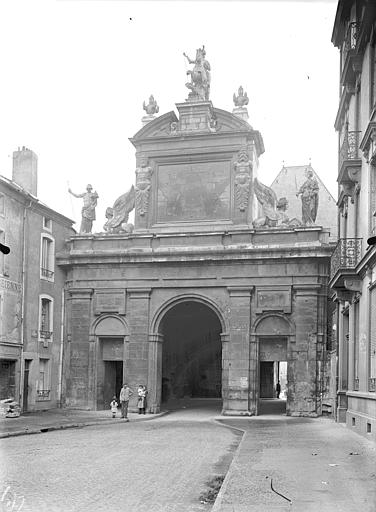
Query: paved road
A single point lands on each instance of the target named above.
(160, 465)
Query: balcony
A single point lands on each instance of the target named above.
(344, 261)
(350, 162)
(45, 335)
(48, 274)
(352, 60)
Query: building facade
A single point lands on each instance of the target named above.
(31, 290)
(353, 266)
(214, 293)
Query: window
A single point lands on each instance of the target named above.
(43, 387)
(372, 200)
(373, 76)
(372, 340)
(2, 255)
(356, 346)
(47, 223)
(47, 260)
(45, 319)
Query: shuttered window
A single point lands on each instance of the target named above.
(372, 344)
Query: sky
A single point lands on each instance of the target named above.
(75, 74)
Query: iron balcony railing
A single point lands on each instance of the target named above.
(351, 38)
(43, 393)
(346, 255)
(45, 334)
(350, 147)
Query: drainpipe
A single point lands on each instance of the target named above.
(23, 293)
(62, 318)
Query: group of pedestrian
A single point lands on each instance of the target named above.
(124, 397)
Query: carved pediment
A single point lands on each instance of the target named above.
(159, 127)
(167, 125)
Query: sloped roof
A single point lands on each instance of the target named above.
(287, 184)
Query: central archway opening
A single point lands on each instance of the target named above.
(192, 353)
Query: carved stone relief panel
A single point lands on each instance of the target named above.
(143, 186)
(193, 192)
(242, 180)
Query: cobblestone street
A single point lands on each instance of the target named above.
(160, 465)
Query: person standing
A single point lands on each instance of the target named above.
(125, 395)
(278, 389)
(114, 406)
(141, 402)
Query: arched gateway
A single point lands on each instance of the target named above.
(190, 330)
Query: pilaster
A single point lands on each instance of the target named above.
(137, 364)
(236, 361)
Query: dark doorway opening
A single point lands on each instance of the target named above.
(267, 379)
(7, 379)
(113, 381)
(273, 375)
(192, 353)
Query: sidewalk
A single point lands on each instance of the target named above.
(55, 419)
(296, 464)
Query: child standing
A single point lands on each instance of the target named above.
(141, 402)
(114, 406)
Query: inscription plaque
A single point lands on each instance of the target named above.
(193, 191)
(273, 299)
(109, 301)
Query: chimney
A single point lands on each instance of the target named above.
(25, 170)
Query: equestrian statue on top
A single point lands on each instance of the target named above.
(200, 76)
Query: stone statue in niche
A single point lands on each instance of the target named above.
(117, 216)
(200, 76)
(88, 210)
(152, 107)
(273, 210)
(143, 186)
(243, 169)
(309, 192)
(241, 99)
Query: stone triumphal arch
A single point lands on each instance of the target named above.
(212, 288)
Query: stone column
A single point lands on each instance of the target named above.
(235, 395)
(137, 364)
(155, 373)
(80, 391)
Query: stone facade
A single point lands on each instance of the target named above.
(31, 290)
(353, 266)
(195, 291)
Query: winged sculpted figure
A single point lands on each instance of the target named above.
(117, 216)
(273, 210)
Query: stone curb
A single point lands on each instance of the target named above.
(218, 501)
(50, 428)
